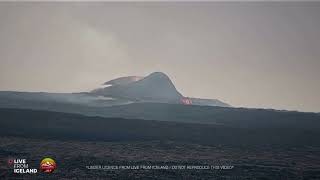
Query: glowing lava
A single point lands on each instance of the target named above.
(186, 101)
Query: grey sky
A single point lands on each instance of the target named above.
(246, 54)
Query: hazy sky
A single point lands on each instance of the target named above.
(246, 54)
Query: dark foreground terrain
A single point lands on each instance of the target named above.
(72, 157)
(285, 147)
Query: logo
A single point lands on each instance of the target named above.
(21, 166)
(10, 162)
(48, 165)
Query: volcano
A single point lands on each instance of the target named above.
(156, 87)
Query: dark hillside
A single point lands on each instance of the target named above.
(53, 125)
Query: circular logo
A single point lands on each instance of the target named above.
(48, 165)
